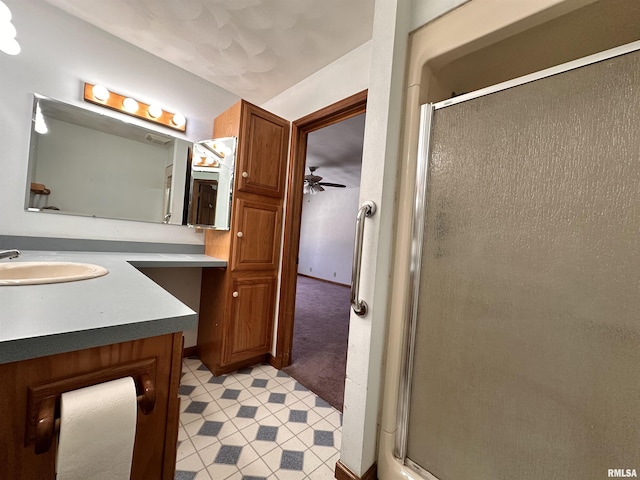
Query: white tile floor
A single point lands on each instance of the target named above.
(256, 423)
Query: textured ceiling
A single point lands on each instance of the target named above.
(253, 48)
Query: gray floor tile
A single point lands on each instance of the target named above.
(247, 411)
(267, 433)
(298, 416)
(196, 407)
(180, 475)
(292, 460)
(186, 389)
(210, 429)
(230, 394)
(277, 397)
(259, 383)
(323, 438)
(228, 454)
(219, 380)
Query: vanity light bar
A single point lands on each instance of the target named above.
(151, 113)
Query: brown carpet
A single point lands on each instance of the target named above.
(320, 336)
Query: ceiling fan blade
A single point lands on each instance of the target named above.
(312, 178)
(328, 184)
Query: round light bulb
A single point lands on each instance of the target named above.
(178, 119)
(155, 111)
(130, 105)
(5, 13)
(100, 92)
(8, 30)
(10, 46)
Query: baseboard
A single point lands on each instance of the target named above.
(343, 472)
(324, 280)
(275, 362)
(223, 370)
(190, 352)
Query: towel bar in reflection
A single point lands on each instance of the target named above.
(43, 403)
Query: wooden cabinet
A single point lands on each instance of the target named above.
(156, 433)
(249, 330)
(256, 245)
(263, 140)
(237, 305)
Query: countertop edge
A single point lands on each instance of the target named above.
(35, 347)
(111, 320)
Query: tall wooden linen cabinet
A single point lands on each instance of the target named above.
(237, 304)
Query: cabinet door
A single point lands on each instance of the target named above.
(262, 152)
(249, 328)
(256, 245)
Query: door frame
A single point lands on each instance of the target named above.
(342, 110)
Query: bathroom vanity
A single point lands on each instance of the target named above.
(92, 329)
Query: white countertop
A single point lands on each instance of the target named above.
(124, 305)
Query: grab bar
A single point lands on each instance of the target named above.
(359, 306)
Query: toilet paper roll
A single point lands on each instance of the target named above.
(97, 431)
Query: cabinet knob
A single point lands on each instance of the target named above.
(245, 175)
(235, 294)
(240, 234)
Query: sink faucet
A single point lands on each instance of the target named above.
(9, 254)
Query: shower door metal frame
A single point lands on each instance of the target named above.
(417, 228)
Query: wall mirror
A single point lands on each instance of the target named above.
(85, 163)
(211, 184)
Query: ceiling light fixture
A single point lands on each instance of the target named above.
(154, 110)
(178, 119)
(99, 95)
(130, 105)
(8, 42)
(100, 92)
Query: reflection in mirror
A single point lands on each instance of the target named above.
(212, 166)
(85, 163)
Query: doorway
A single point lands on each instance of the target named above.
(343, 110)
(330, 204)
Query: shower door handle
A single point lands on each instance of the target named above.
(359, 306)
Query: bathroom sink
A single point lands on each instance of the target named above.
(33, 273)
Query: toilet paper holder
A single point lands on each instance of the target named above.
(43, 403)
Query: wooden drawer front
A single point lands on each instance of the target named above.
(256, 243)
(262, 153)
(249, 329)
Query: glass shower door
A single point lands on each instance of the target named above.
(527, 346)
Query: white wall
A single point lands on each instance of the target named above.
(59, 53)
(327, 232)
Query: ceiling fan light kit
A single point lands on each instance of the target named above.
(313, 183)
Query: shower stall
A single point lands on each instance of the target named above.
(522, 358)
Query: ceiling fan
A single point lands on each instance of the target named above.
(313, 183)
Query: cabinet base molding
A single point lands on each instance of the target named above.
(275, 362)
(222, 370)
(190, 352)
(343, 472)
